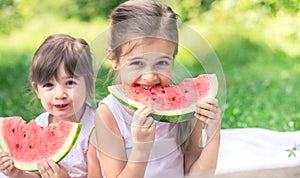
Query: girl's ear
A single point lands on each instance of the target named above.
(114, 61)
(34, 87)
(115, 64)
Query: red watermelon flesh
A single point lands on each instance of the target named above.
(171, 103)
(29, 143)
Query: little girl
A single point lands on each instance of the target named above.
(142, 46)
(62, 78)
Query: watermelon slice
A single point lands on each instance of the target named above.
(29, 143)
(169, 104)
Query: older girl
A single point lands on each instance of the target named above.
(142, 48)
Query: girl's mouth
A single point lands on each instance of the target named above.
(60, 106)
(145, 87)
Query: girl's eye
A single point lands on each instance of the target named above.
(70, 82)
(47, 85)
(136, 63)
(162, 63)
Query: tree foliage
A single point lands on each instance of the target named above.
(14, 13)
(10, 17)
(86, 10)
(274, 6)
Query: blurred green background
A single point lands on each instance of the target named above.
(256, 41)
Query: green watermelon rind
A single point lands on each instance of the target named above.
(175, 116)
(65, 149)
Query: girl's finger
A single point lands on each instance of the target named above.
(206, 113)
(10, 166)
(6, 164)
(4, 167)
(202, 108)
(152, 127)
(145, 111)
(5, 157)
(53, 165)
(149, 121)
(202, 118)
(205, 106)
(4, 154)
(45, 169)
(42, 169)
(211, 101)
(140, 116)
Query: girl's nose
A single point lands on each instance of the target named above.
(60, 93)
(149, 77)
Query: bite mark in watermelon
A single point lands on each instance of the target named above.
(29, 143)
(172, 103)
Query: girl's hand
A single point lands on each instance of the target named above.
(49, 169)
(143, 127)
(211, 115)
(7, 165)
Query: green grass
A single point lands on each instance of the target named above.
(16, 98)
(262, 87)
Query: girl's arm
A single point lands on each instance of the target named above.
(94, 167)
(210, 115)
(112, 150)
(207, 161)
(194, 149)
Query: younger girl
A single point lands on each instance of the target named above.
(62, 78)
(142, 47)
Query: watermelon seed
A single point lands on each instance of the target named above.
(24, 135)
(13, 130)
(17, 145)
(173, 98)
(30, 146)
(185, 91)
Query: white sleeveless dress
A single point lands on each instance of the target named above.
(165, 158)
(75, 161)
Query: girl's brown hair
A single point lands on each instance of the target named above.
(73, 53)
(138, 19)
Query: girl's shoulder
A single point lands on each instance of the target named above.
(113, 105)
(109, 112)
(107, 100)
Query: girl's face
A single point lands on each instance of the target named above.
(63, 98)
(146, 63)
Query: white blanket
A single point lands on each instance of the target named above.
(255, 148)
